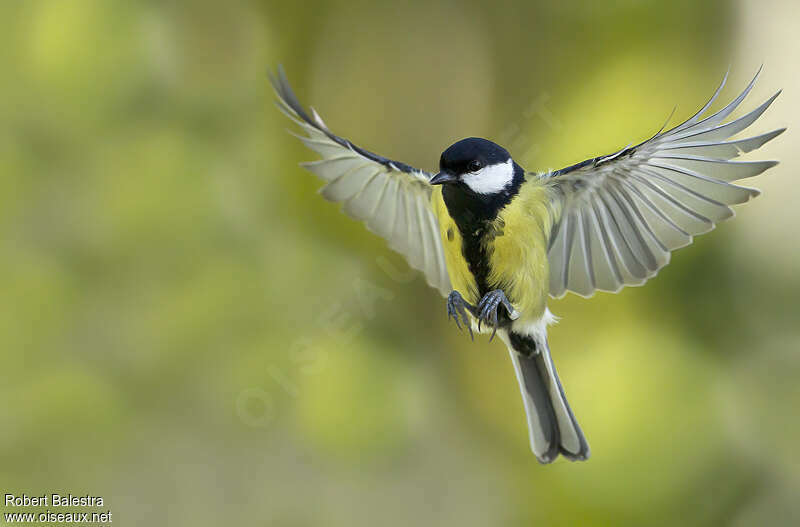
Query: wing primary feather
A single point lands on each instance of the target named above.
(384, 222)
(606, 243)
(441, 266)
(720, 116)
(679, 186)
(287, 94)
(353, 206)
(725, 149)
(621, 250)
(424, 235)
(284, 91)
(380, 197)
(669, 118)
(653, 207)
(723, 131)
(322, 167)
(325, 147)
(629, 148)
(416, 255)
(650, 264)
(347, 184)
(587, 250)
(673, 201)
(569, 234)
(398, 239)
(703, 177)
(642, 220)
(717, 117)
(627, 256)
(719, 169)
(391, 197)
(287, 110)
(696, 117)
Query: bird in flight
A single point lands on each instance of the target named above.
(497, 241)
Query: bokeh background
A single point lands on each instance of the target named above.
(190, 332)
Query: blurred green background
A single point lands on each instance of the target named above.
(190, 332)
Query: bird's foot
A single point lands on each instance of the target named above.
(457, 306)
(488, 310)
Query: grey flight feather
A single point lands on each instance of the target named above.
(621, 215)
(390, 197)
(284, 91)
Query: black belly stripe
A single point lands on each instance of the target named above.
(475, 216)
(474, 250)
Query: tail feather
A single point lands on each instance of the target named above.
(552, 425)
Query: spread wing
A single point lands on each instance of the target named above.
(622, 214)
(392, 198)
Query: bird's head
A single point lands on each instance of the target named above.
(476, 164)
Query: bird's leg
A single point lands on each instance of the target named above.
(488, 310)
(457, 306)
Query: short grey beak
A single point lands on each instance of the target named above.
(442, 177)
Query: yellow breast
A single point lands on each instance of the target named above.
(517, 252)
(461, 279)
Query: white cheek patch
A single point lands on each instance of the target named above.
(490, 179)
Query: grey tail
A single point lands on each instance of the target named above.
(551, 424)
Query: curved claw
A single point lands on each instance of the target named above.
(494, 322)
(452, 313)
(457, 307)
(488, 310)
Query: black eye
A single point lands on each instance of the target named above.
(474, 165)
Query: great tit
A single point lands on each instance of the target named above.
(497, 240)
